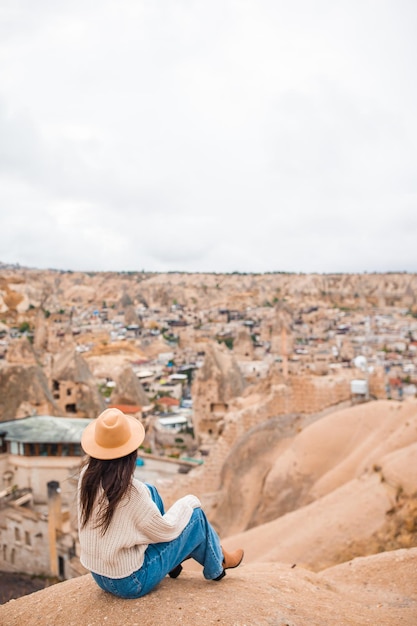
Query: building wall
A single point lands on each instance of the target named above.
(23, 542)
(65, 394)
(36, 472)
(4, 467)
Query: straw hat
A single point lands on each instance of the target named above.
(112, 435)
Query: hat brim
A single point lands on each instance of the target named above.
(90, 446)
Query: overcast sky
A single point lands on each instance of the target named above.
(215, 136)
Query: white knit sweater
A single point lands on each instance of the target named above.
(136, 523)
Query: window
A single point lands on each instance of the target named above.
(61, 567)
(14, 447)
(77, 450)
(27, 538)
(30, 449)
(53, 449)
(16, 533)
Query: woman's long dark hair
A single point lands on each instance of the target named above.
(115, 477)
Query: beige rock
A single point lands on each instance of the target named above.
(217, 382)
(399, 469)
(316, 535)
(268, 478)
(243, 345)
(74, 386)
(25, 391)
(21, 352)
(131, 316)
(40, 341)
(128, 389)
(375, 590)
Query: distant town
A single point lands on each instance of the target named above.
(183, 354)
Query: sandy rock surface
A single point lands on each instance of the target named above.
(378, 590)
(352, 463)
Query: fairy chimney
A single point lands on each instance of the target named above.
(74, 387)
(216, 383)
(243, 345)
(25, 391)
(40, 341)
(128, 389)
(281, 334)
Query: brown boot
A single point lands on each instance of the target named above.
(232, 559)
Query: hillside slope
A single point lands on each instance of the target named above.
(353, 460)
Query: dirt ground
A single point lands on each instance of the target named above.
(13, 586)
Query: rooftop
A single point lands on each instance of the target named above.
(44, 429)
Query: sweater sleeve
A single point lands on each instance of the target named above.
(157, 528)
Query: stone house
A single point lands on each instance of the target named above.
(74, 388)
(39, 464)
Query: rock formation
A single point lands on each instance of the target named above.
(243, 345)
(25, 391)
(21, 352)
(245, 470)
(11, 299)
(273, 470)
(374, 590)
(128, 389)
(216, 383)
(40, 341)
(280, 331)
(74, 387)
(22, 288)
(131, 317)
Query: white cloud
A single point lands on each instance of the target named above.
(221, 136)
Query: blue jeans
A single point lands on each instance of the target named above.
(198, 541)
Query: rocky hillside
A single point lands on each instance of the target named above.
(53, 289)
(364, 449)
